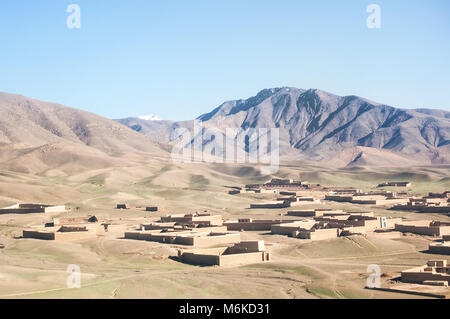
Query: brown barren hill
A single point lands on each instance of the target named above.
(36, 135)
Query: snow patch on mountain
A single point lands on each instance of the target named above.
(151, 117)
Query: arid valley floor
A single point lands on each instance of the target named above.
(224, 158)
(114, 267)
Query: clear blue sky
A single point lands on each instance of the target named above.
(179, 59)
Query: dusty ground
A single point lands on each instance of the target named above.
(113, 267)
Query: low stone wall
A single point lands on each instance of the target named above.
(304, 213)
(32, 209)
(300, 202)
(157, 225)
(55, 209)
(71, 229)
(346, 231)
(201, 259)
(387, 234)
(248, 246)
(339, 198)
(287, 193)
(251, 226)
(243, 259)
(74, 220)
(319, 234)
(436, 209)
(439, 248)
(421, 230)
(394, 184)
(331, 212)
(38, 235)
(21, 211)
(188, 219)
(364, 214)
(423, 208)
(269, 205)
(366, 201)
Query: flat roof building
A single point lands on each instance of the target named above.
(250, 224)
(434, 271)
(189, 238)
(241, 253)
(439, 248)
(32, 209)
(395, 184)
(204, 219)
(424, 227)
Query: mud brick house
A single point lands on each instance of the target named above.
(250, 224)
(395, 184)
(424, 227)
(241, 253)
(435, 272)
(204, 219)
(439, 248)
(188, 238)
(32, 209)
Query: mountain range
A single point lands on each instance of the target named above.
(314, 125)
(320, 126)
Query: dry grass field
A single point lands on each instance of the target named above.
(113, 267)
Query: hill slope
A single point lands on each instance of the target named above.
(36, 135)
(317, 125)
